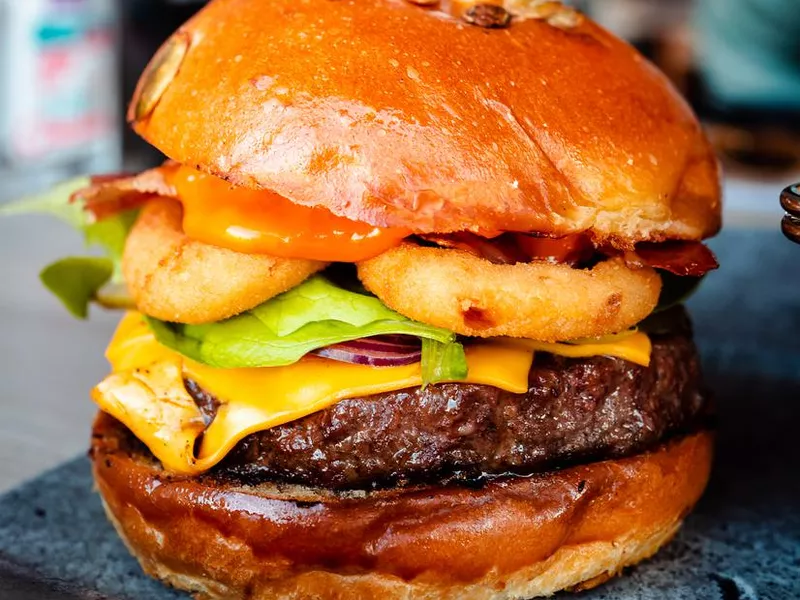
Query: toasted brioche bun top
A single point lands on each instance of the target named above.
(398, 115)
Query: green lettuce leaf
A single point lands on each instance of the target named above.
(442, 361)
(110, 235)
(665, 321)
(77, 281)
(312, 315)
(55, 202)
(676, 290)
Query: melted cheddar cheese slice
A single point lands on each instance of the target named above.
(634, 347)
(146, 390)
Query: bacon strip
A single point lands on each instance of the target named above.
(500, 251)
(687, 259)
(111, 194)
(681, 258)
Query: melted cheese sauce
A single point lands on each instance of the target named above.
(263, 222)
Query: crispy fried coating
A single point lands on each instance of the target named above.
(539, 300)
(177, 279)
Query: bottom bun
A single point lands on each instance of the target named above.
(519, 537)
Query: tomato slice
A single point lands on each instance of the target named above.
(570, 249)
(263, 222)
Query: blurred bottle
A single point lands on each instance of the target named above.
(59, 87)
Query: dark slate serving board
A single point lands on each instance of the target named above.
(742, 542)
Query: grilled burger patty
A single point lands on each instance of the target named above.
(576, 410)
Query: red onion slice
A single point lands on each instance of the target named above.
(386, 351)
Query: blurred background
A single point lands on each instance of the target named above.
(67, 68)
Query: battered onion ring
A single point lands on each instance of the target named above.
(539, 300)
(174, 278)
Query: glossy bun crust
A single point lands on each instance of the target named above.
(513, 538)
(394, 114)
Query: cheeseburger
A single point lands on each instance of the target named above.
(403, 306)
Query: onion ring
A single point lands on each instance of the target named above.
(174, 278)
(538, 300)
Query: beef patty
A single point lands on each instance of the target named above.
(575, 410)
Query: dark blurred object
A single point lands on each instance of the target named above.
(790, 201)
(754, 141)
(146, 25)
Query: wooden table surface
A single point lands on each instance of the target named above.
(50, 361)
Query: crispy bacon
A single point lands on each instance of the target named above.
(111, 194)
(692, 259)
(501, 250)
(678, 257)
(512, 248)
